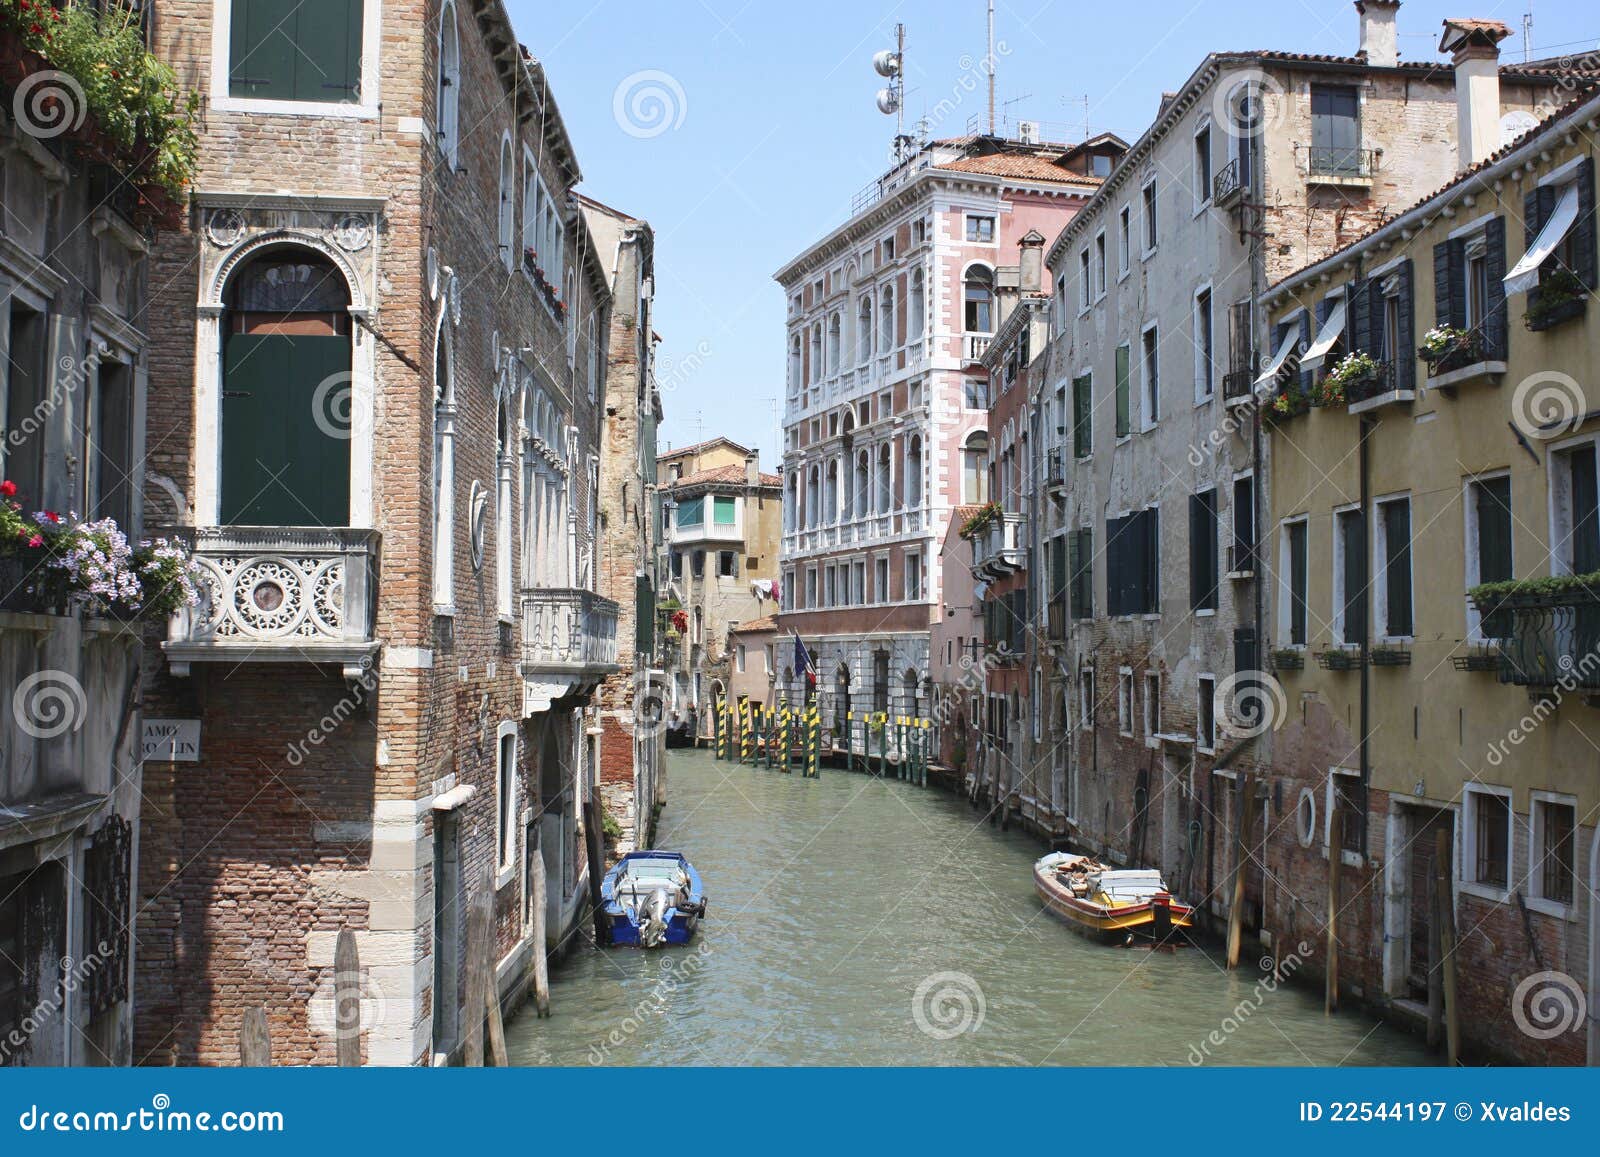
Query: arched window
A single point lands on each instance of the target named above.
(864, 330)
(886, 340)
(508, 213)
(885, 485)
(791, 509)
(979, 297)
(863, 486)
(841, 697)
(910, 685)
(830, 499)
(835, 325)
(286, 393)
(916, 306)
(975, 468)
(816, 354)
(794, 364)
(505, 477)
(449, 95)
(914, 472)
(813, 497)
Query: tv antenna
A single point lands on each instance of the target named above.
(891, 65)
(1527, 33)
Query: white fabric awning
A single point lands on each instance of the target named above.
(1525, 274)
(1330, 332)
(1269, 376)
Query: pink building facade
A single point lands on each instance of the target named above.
(886, 426)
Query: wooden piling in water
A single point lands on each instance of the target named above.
(255, 1043)
(478, 981)
(1335, 860)
(541, 951)
(1241, 853)
(1447, 947)
(347, 1000)
(593, 835)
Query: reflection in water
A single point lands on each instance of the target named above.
(861, 921)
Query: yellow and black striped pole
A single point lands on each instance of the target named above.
(784, 727)
(746, 739)
(925, 726)
(814, 743)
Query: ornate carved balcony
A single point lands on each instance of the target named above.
(279, 594)
(569, 644)
(999, 548)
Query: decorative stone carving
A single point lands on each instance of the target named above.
(225, 227)
(353, 233)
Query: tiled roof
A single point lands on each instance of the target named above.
(730, 473)
(680, 451)
(770, 623)
(1024, 166)
(963, 513)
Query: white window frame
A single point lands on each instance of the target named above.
(1469, 842)
(1085, 282)
(447, 133)
(1202, 200)
(1201, 379)
(1149, 403)
(1151, 708)
(1125, 701)
(506, 198)
(1205, 682)
(1149, 218)
(1336, 621)
(1100, 266)
(1346, 857)
(966, 229)
(1086, 690)
(1379, 537)
(1125, 240)
(367, 108)
(505, 853)
(1558, 488)
(1537, 901)
(913, 553)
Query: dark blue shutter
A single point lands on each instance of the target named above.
(1357, 324)
(1583, 231)
(1496, 339)
(1405, 346)
(1449, 283)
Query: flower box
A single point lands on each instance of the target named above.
(1390, 656)
(1288, 659)
(1341, 659)
(1560, 296)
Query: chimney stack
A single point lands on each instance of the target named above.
(1474, 47)
(752, 469)
(1030, 277)
(1380, 44)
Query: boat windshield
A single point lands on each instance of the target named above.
(655, 869)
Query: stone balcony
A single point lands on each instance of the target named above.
(569, 644)
(999, 549)
(279, 594)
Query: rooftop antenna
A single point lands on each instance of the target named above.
(892, 98)
(988, 63)
(1527, 33)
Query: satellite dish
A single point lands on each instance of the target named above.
(886, 63)
(888, 101)
(1514, 124)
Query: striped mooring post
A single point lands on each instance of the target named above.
(718, 739)
(746, 737)
(849, 752)
(927, 738)
(786, 732)
(814, 744)
(883, 743)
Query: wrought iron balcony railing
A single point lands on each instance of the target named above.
(1337, 161)
(1236, 384)
(279, 594)
(1228, 185)
(1553, 640)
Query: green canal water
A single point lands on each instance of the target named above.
(857, 921)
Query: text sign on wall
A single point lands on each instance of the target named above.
(171, 740)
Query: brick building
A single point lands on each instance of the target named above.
(722, 517)
(375, 411)
(74, 360)
(632, 745)
(885, 428)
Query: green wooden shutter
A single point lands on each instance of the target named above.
(1082, 433)
(1353, 530)
(1495, 337)
(263, 51)
(1585, 512)
(1298, 576)
(1116, 548)
(296, 50)
(1492, 500)
(1122, 391)
(279, 466)
(1584, 233)
(1203, 530)
(1397, 567)
(1405, 346)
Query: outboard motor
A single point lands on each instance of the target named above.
(653, 919)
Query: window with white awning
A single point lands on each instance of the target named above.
(1525, 274)
(1332, 330)
(1269, 376)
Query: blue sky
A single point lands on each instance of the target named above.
(765, 128)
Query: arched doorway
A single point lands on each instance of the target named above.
(286, 393)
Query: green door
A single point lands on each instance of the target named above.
(286, 450)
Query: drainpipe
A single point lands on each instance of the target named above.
(1365, 501)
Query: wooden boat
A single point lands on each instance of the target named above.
(653, 898)
(1114, 904)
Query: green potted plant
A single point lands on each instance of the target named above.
(1447, 347)
(1560, 295)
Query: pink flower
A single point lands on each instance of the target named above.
(36, 541)
(8, 488)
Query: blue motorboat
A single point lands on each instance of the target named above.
(653, 898)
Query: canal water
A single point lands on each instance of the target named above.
(859, 921)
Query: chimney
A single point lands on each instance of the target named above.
(1474, 48)
(1031, 262)
(1380, 45)
(752, 469)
